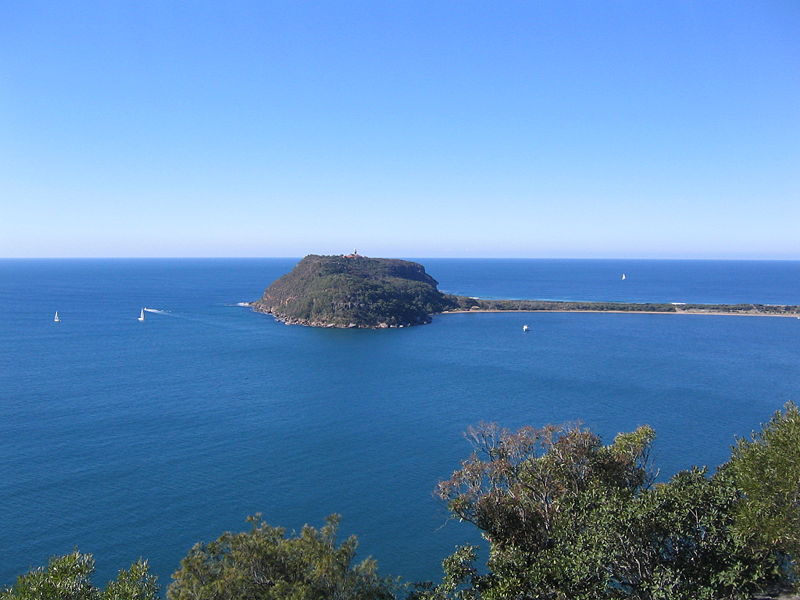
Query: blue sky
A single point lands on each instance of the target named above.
(513, 129)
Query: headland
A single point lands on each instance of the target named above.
(355, 291)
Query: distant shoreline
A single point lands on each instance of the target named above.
(627, 312)
(465, 304)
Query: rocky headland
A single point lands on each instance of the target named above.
(354, 291)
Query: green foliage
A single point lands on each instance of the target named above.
(676, 542)
(65, 578)
(366, 292)
(516, 486)
(68, 578)
(546, 500)
(767, 470)
(134, 584)
(460, 579)
(568, 518)
(263, 564)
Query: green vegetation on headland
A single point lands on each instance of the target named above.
(353, 291)
(565, 516)
(357, 291)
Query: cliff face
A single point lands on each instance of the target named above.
(354, 291)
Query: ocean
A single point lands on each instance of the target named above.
(129, 439)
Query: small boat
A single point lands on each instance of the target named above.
(57, 319)
(141, 315)
(624, 277)
(525, 328)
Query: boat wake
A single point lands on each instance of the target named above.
(155, 310)
(246, 304)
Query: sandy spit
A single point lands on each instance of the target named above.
(628, 312)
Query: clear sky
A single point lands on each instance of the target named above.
(513, 129)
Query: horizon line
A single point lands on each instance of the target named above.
(794, 259)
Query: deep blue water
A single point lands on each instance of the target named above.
(131, 439)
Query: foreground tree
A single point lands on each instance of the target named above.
(569, 518)
(264, 564)
(676, 541)
(766, 468)
(69, 578)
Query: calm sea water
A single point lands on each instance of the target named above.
(131, 439)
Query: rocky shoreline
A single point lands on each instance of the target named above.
(286, 320)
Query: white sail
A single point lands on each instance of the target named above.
(623, 277)
(525, 328)
(57, 319)
(141, 315)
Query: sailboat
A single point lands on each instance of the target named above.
(624, 277)
(57, 319)
(141, 315)
(525, 328)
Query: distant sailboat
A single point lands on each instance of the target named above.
(57, 319)
(525, 328)
(141, 315)
(624, 277)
